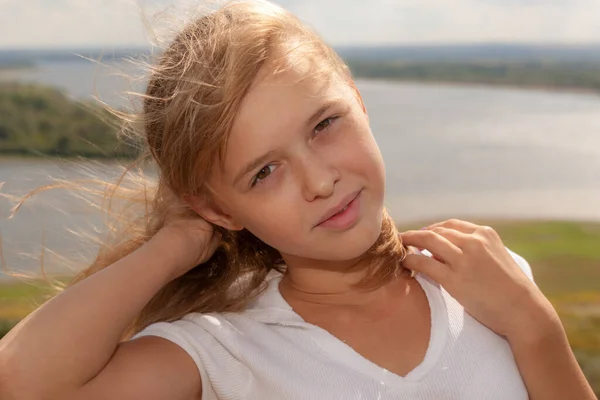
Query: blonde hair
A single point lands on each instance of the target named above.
(193, 94)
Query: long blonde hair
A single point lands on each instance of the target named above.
(194, 90)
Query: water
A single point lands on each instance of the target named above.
(85, 79)
(464, 151)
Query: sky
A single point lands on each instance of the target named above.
(117, 23)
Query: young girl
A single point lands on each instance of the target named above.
(267, 267)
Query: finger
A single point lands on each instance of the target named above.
(427, 266)
(414, 250)
(456, 224)
(439, 246)
(216, 239)
(459, 239)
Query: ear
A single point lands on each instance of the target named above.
(211, 212)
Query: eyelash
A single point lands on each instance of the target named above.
(255, 181)
(331, 122)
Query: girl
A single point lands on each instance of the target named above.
(267, 267)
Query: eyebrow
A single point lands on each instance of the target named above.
(258, 162)
(323, 108)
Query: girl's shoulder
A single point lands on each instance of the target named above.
(223, 345)
(232, 330)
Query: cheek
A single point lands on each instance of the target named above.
(371, 156)
(375, 162)
(362, 155)
(274, 222)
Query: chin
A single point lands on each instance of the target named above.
(342, 246)
(354, 243)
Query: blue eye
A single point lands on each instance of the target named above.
(262, 174)
(325, 124)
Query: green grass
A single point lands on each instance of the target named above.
(564, 257)
(17, 299)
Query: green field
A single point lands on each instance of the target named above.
(564, 257)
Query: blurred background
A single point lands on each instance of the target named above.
(485, 110)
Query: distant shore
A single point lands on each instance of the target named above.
(10, 73)
(492, 85)
(15, 69)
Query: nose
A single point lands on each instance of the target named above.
(318, 177)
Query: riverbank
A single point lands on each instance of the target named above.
(539, 73)
(44, 121)
(488, 85)
(14, 70)
(555, 77)
(561, 204)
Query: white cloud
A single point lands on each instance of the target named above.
(51, 23)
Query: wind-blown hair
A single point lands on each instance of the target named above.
(194, 91)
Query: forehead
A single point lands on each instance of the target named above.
(275, 107)
(276, 94)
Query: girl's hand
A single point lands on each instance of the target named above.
(473, 265)
(185, 240)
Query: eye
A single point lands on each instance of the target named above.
(262, 174)
(325, 124)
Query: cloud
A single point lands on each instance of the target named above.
(52, 23)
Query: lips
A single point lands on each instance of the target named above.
(339, 207)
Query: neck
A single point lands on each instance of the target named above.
(333, 282)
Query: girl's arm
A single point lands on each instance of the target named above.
(546, 362)
(473, 265)
(70, 345)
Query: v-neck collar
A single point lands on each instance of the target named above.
(270, 307)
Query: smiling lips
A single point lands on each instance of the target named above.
(344, 214)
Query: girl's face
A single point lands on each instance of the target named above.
(298, 152)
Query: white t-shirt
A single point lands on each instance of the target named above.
(269, 352)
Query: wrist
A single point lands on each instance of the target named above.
(166, 257)
(535, 323)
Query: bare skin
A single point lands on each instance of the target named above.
(373, 323)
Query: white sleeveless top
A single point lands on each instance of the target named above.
(269, 352)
